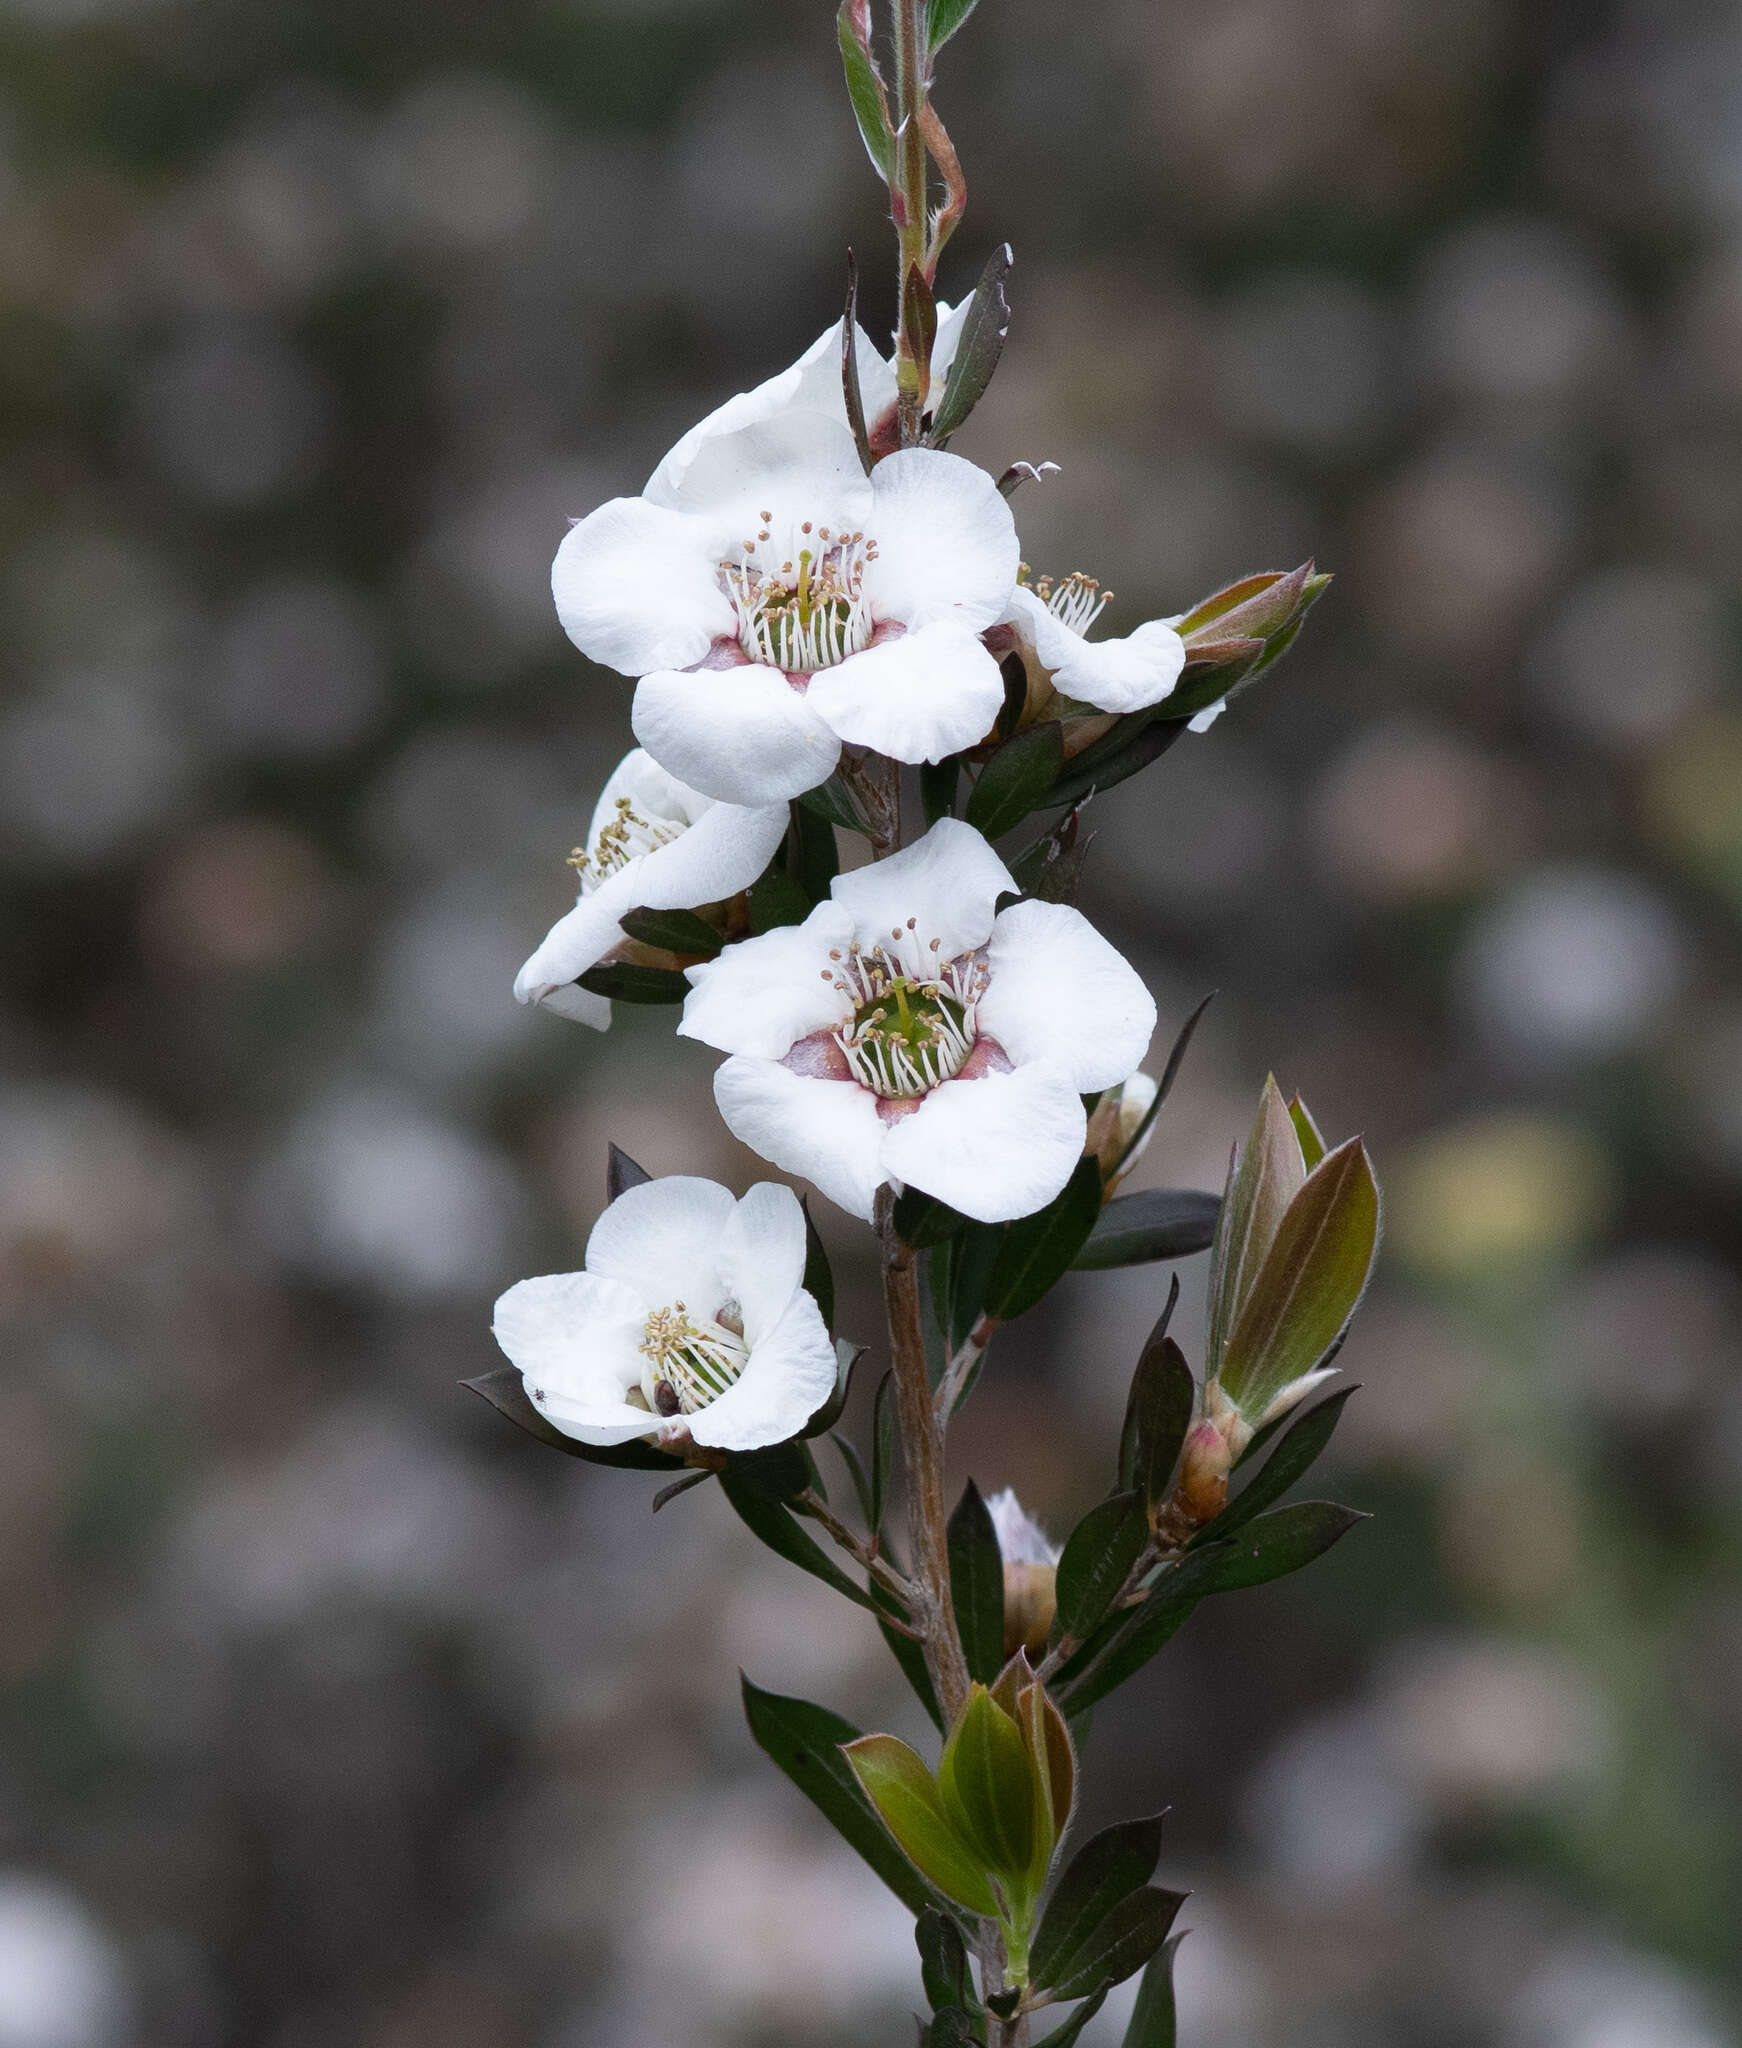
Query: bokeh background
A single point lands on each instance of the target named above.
(333, 1714)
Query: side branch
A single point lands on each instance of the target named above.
(811, 1503)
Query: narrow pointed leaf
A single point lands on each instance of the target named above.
(984, 330)
(882, 1449)
(988, 1788)
(943, 1962)
(622, 1173)
(806, 1742)
(942, 19)
(856, 1473)
(1312, 1146)
(1149, 739)
(1307, 1436)
(775, 1526)
(1123, 1942)
(1158, 1412)
(1122, 1647)
(690, 1481)
(847, 1356)
(937, 793)
(972, 1257)
(977, 1585)
(865, 86)
(906, 1797)
(1281, 1542)
(776, 900)
(1267, 1174)
(921, 1220)
(677, 931)
(1170, 1072)
(1155, 1223)
(919, 315)
(1102, 1548)
(1063, 2037)
(1107, 1868)
(834, 803)
(852, 391)
(812, 855)
(1154, 2023)
(1016, 780)
(1037, 1251)
(819, 1278)
(951, 2028)
(908, 1653)
(621, 981)
(506, 1392)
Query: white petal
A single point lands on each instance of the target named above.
(579, 1005)
(762, 1256)
(1058, 992)
(764, 993)
(743, 734)
(947, 882)
(656, 795)
(828, 1132)
(574, 1337)
(794, 465)
(577, 941)
(916, 697)
(1208, 716)
(946, 544)
(595, 1419)
(663, 1240)
(996, 1147)
(722, 852)
(638, 588)
(1117, 675)
(790, 1375)
(951, 321)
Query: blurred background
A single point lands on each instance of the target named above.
(335, 1715)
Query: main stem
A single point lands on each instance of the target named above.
(908, 202)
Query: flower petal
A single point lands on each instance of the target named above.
(790, 1375)
(762, 1256)
(578, 1005)
(946, 543)
(1058, 992)
(575, 1338)
(722, 852)
(764, 993)
(743, 734)
(1117, 675)
(795, 465)
(577, 941)
(996, 1147)
(947, 882)
(638, 587)
(662, 1239)
(916, 697)
(828, 1132)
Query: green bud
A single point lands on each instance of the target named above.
(908, 1798)
(987, 1780)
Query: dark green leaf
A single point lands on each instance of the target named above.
(623, 982)
(1063, 2037)
(1307, 1436)
(846, 1357)
(506, 1393)
(852, 391)
(1122, 1943)
(943, 1962)
(856, 1473)
(882, 1449)
(1148, 744)
(1122, 1647)
(972, 1257)
(977, 1585)
(776, 1473)
(907, 1652)
(1158, 1413)
(1016, 779)
(805, 1741)
(622, 1173)
(776, 900)
(1155, 1223)
(942, 19)
(684, 1485)
(865, 86)
(1153, 2021)
(937, 787)
(984, 327)
(1279, 1543)
(835, 804)
(1170, 1072)
(951, 2028)
(772, 1523)
(919, 315)
(1107, 1868)
(813, 858)
(1015, 673)
(819, 1279)
(1039, 1250)
(1051, 870)
(1102, 1548)
(677, 931)
(922, 1220)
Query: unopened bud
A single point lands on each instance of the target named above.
(1212, 1446)
(1118, 1133)
(1030, 1575)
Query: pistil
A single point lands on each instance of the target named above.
(809, 611)
(912, 1026)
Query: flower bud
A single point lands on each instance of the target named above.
(1120, 1129)
(1030, 1575)
(1213, 1444)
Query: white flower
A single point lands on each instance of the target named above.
(906, 1033)
(1120, 1116)
(690, 1319)
(654, 844)
(784, 602)
(1117, 675)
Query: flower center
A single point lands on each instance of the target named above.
(803, 607)
(628, 837)
(690, 1363)
(912, 1026)
(1076, 600)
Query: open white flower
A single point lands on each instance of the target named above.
(1116, 675)
(786, 602)
(690, 1319)
(654, 844)
(906, 1032)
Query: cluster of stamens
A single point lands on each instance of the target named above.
(628, 837)
(912, 1026)
(690, 1363)
(1075, 600)
(809, 611)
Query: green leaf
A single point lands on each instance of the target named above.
(937, 787)
(506, 1393)
(1158, 1412)
(819, 1278)
(921, 1220)
(1122, 1943)
(981, 342)
(972, 1257)
(1279, 1543)
(814, 857)
(908, 1798)
(856, 1473)
(1063, 2037)
(1312, 1146)
(806, 1742)
(776, 900)
(977, 1585)
(951, 2028)
(942, 19)
(1266, 1174)
(1015, 673)
(919, 315)
(677, 931)
(1122, 1647)
(907, 1652)
(1102, 1548)
(1153, 2020)
(1299, 1449)
(1016, 779)
(687, 1484)
(622, 1173)
(1170, 1073)
(1107, 1868)
(846, 1357)
(623, 982)
(776, 1473)
(834, 803)
(943, 1962)
(865, 86)
(852, 391)
(1311, 1280)
(1150, 739)
(1155, 1223)
(1038, 1250)
(1051, 870)
(775, 1526)
(987, 1782)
